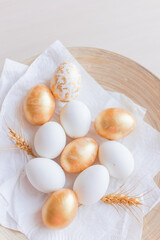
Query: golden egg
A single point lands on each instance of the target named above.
(39, 105)
(114, 123)
(79, 154)
(60, 209)
(66, 82)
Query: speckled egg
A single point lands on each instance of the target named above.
(66, 82)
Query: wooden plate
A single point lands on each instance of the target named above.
(117, 73)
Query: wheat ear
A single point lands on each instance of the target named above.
(121, 199)
(20, 142)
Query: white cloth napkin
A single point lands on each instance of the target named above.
(21, 204)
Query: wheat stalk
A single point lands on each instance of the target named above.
(20, 142)
(121, 199)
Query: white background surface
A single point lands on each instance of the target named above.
(131, 28)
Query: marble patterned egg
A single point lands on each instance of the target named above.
(66, 82)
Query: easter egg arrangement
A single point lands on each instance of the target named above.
(80, 154)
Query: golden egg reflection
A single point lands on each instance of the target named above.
(114, 123)
(60, 209)
(39, 105)
(79, 154)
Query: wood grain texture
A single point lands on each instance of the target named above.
(117, 73)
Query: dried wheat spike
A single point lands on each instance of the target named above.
(121, 199)
(20, 142)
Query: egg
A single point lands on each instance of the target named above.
(66, 82)
(117, 158)
(75, 118)
(45, 175)
(91, 184)
(60, 209)
(49, 140)
(79, 154)
(114, 123)
(39, 105)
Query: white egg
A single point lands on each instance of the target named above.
(91, 184)
(75, 118)
(45, 175)
(117, 158)
(50, 139)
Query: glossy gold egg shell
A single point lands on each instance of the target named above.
(39, 105)
(114, 123)
(60, 209)
(79, 154)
